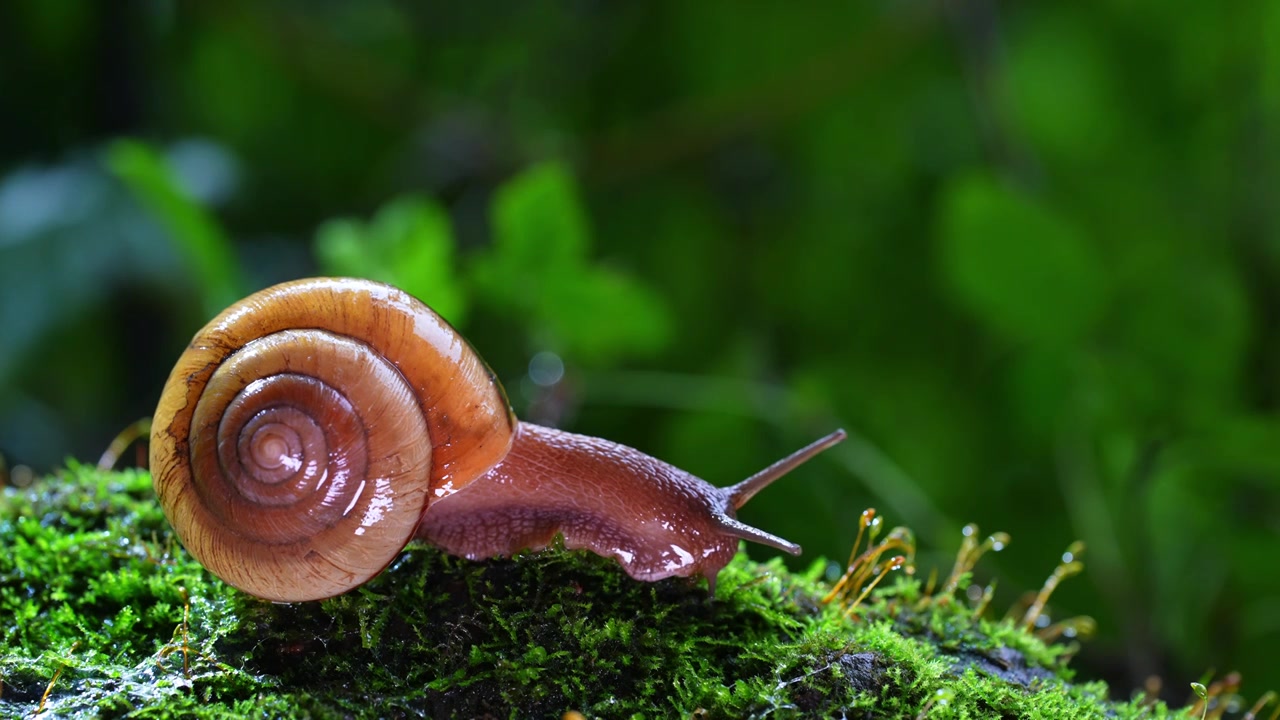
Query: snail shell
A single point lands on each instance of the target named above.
(311, 430)
(292, 449)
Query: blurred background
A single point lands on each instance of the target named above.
(1027, 253)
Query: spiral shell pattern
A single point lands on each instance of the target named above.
(306, 429)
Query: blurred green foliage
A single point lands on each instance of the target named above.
(408, 244)
(206, 248)
(1029, 253)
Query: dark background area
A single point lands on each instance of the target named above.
(1027, 253)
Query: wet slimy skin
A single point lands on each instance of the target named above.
(656, 520)
(309, 431)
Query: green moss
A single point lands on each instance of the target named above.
(95, 586)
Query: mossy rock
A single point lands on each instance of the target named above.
(110, 617)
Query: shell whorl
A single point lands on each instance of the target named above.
(304, 431)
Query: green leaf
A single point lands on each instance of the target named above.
(602, 313)
(1059, 91)
(1022, 269)
(206, 248)
(539, 266)
(409, 244)
(340, 248)
(538, 220)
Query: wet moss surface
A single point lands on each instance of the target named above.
(108, 615)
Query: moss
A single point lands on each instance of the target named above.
(101, 596)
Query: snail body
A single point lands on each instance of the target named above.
(314, 428)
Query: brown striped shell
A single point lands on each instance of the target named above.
(303, 432)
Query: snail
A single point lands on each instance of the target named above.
(311, 430)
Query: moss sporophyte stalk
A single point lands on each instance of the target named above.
(107, 616)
